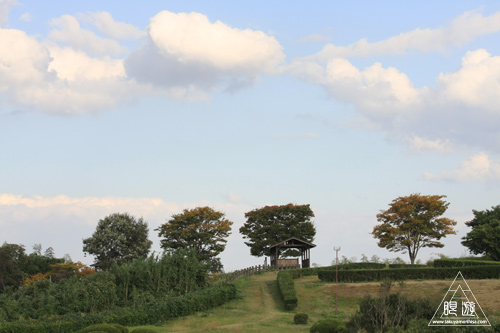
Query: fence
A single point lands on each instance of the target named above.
(256, 269)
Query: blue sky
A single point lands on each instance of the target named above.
(154, 107)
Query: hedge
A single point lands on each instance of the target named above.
(406, 266)
(462, 262)
(154, 313)
(476, 272)
(287, 289)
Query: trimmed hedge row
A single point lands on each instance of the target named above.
(154, 313)
(476, 272)
(287, 289)
(406, 266)
(462, 262)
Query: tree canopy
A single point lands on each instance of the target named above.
(118, 238)
(272, 224)
(413, 222)
(484, 238)
(202, 228)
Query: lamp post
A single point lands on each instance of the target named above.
(336, 249)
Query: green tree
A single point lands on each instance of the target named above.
(484, 238)
(118, 238)
(12, 262)
(413, 222)
(272, 224)
(202, 229)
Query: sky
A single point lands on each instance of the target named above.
(154, 107)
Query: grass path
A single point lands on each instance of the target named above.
(258, 309)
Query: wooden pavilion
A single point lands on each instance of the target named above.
(291, 243)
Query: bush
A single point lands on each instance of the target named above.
(388, 311)
(406, 266)
(287, 289)
(328, 326)
(110, 328)
(143, 330)
(463, 262)
(301, 318)
(399, 274)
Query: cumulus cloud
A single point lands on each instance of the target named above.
(187, 50)
(375, 89)
(462, 104)
(477, 168)
(68, 31)
(107, 25)
(460, 31)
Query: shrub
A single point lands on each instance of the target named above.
(328, 326)
(301, 318)
(388, 311)
(406, 266)
(143, 330)
(462, 262)
(110, 328)
(398, 274)
(287, 289)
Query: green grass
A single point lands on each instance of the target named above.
(259, 307)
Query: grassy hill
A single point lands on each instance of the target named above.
(260, 309)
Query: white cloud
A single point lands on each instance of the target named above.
(476, 84)
(375, 89)
(5, 6)
(460, 31)
(111, 28)
(69, 31)
(52, 79)
(70, 64)
(419, 144)
(26, 17)
(460, 105)
(191, 37)
(477, 168)
(186, 50)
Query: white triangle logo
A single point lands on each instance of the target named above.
(459, 307)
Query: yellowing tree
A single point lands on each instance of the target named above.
(203, 229)
(413, 222)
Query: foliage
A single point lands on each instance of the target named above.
(484, 238)
(272, 224)
(301, 318)
(118, 238)
(172, 274)
(413, 222)
(143, 330)
(330, 325)
(406, 266)
(12, 261)
(396, 274)
(390, 310)
(462, 262)
(110, 328)
(202, 229)
(287, 289)
(137, 286)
